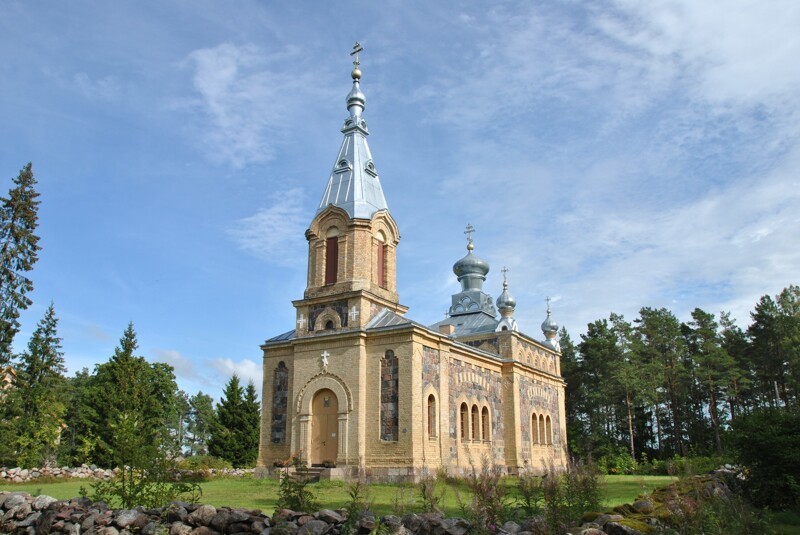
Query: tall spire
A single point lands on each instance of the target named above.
(354, 185)
(506, 304)
(550, 329)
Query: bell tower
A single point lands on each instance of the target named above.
(352, 239)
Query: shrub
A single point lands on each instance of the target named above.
(569, 494)
(489, 505)
(359, 501)
(620, 462)
(531, 493)
(292, 490)
(428, 494)
(767, 444)
(198, 463)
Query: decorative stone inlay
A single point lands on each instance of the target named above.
(487, 344)
(430, 367)
(389, 397)
(340, 307)
(478, 385)
(280, 403)
(539, 398)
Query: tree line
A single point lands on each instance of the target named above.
(657, 387)
(97, 417)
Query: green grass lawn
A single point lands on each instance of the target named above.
(262, 493)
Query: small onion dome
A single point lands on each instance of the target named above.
(355, 97)
(549, 325)
(506, 300)
(471, 265)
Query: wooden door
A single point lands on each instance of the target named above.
(324, 427)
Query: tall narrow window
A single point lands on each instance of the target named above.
(464, 421)
(380, 259)
(475, 422)
(280, 397)
(331, 259)
(389, 396)
(542, 436)
(549, 431)
(431, 416)
(485, 424)
(535, 428)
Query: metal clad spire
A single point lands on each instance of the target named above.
(354, 184)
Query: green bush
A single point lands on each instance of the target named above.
(617, 463)
(197, 463)
(767, 444)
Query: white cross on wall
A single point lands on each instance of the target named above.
(301, 321)
(354, 313)
(325, 356)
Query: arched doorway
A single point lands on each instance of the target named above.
(324, 427)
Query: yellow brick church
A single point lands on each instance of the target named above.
(363, 390)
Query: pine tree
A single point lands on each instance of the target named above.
(128, 387)
(200, 423)
(18, 253)
(40, 387)
(251, 431)
(235, 435)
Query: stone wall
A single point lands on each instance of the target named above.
(22, 475)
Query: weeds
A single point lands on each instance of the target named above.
(489, 506)
(569, 494)
(292, 491)
(358, 493)
(429, 497)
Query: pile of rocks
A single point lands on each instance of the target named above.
(21, 513)
(21, 475)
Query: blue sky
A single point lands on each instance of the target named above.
(613, 155)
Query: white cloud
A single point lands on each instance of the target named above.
(274, 233)
(246, 369)
(103, 88)
(248, 101)
(184, 367)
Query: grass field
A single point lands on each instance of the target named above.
(262, 493)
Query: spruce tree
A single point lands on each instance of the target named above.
(200, 423)
(40, 387)
(235, 434)
(18, 253)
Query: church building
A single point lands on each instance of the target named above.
(361, 389)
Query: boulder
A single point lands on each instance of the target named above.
(314, 527)
(202, 515)
(329, 516)
(179, 528)
(42, 502)
(644, 507)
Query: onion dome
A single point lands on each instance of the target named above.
(506, 300)
(471, 270)
(550, 329)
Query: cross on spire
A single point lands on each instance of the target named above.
(469, 230)
(504, 270)
(356, 49)
(547, 300)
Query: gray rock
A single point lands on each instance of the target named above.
(241, 527)
(593, 531)
(284, 528)
(88, 522)
(511, 527)
(108, 530)
(125, 518)
(179, 528)
(72, 529)
(613, 528)
(29, 521)
(266, 531)
(220, 521)
(42, 502)
(14, 500)
(602, 519)
(174, 513)
(314, 527)
(204, 530)
(329, 516)
(459, 526)
(23, 511)
(644, 507)
(202, 515)
(151, 528)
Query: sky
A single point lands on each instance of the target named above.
(612, 154)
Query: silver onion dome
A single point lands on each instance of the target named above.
(506, 300)
(549, 325)
(471, 270)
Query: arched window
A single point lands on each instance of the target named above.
(464, 421)
(431, 416)
(475, 422)
(331, 255)
(535, 428)
(549, 431)
(380, 258)
(485, 424)
(280, 398)
(542, 436)
(329, 326)
(389, 395)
